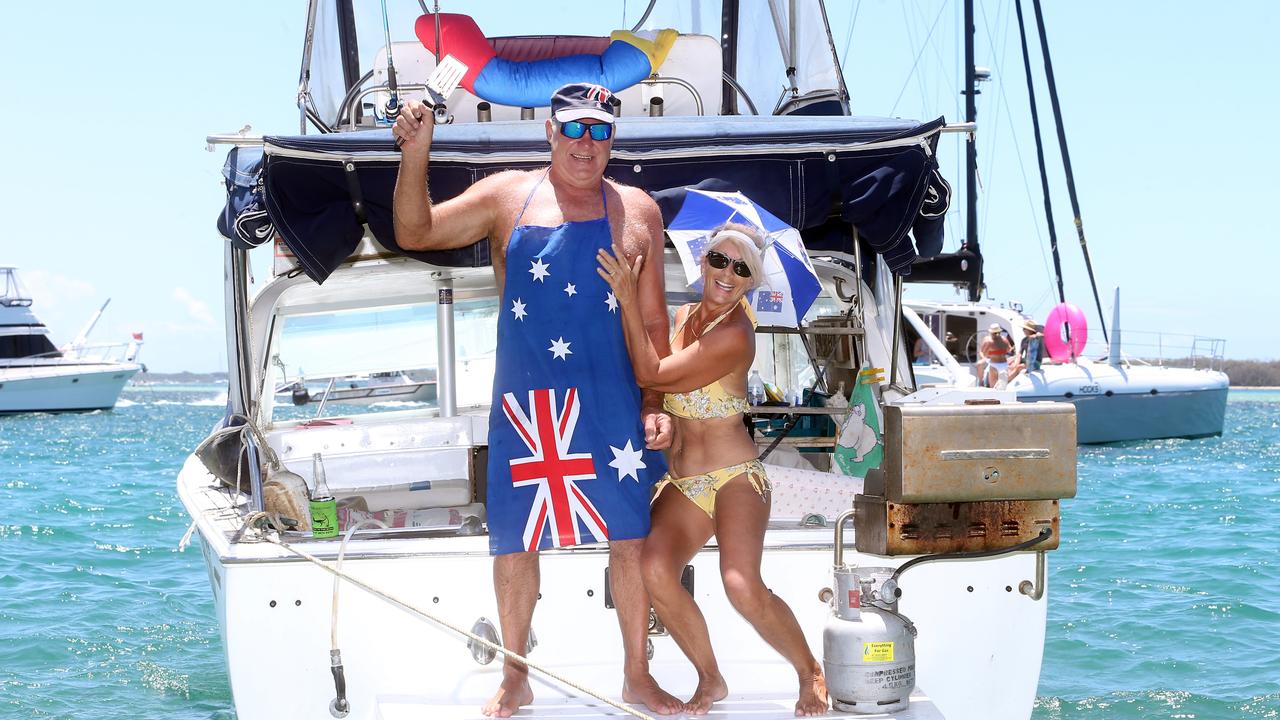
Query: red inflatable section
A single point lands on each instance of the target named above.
(459, 37)
(1062, 317)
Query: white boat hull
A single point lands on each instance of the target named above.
(1117, 403)
(978, 652)
(63, 387)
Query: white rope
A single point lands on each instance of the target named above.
(337, 573)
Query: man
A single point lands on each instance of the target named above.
(563, 375)
(994, 351)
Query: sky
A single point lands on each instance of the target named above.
(1167, 106)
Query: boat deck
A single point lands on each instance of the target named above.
(736, 707)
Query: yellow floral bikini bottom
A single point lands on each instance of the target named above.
(702, 489)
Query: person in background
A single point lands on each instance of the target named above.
(560, 353)
(1029, 354)
(716, 485)
(920, 354)
(994, 350)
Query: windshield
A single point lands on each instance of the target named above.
(378, 359)
(771, 35)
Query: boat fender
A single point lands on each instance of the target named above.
(1063, 317)
(628, 59)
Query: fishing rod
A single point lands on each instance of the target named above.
(1066, 163)
(393, 102)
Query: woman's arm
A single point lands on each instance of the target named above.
(708, 359)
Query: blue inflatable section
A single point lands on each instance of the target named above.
(531, 84)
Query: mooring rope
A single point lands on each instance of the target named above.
(406, 605)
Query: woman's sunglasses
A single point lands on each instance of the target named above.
(573, 130)
(720, 261)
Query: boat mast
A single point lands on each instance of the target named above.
(1066, 162)
(964, 266)
(971, 156)
(729, 54)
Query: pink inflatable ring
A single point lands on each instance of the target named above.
(1064, 317)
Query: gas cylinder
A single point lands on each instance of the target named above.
(868, 648)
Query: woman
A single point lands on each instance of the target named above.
(716, 485)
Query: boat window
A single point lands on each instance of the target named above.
(783, 360)
(378, 359)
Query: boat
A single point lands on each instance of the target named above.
(1117, 397)
(395, 617)
(381, 386)
(36, 376)
(1177, 390)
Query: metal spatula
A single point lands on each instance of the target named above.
(443, 81)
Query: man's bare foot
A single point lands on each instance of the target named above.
(813, 695)
(709, 692)
(644, 690)
(512, 694)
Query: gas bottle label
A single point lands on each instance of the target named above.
(877, 652)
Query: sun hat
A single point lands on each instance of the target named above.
(577, 101)
(1030, 326)
(994, 329)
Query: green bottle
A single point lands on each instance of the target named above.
(324, 507)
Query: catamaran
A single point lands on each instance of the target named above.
(922, 583)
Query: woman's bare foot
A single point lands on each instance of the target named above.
(644, 690)
(710, 691)
(813, 695)
(512, 694)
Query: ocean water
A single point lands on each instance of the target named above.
(1164, 598)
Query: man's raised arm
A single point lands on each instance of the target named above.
(455, 223)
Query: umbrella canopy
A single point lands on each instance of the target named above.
(790, 284)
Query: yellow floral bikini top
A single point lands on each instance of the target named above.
(710, 401)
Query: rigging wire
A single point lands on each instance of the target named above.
(848, 39)
(1044, 175)
(922, 46)
(1066, 164)
(1013, 135)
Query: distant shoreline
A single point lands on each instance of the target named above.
(182, 378)
(178, 378)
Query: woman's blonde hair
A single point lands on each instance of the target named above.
(749, 242)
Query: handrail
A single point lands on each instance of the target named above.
(658, 80)
(733, 83)
(238, 139)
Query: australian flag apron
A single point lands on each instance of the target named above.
(567, 462)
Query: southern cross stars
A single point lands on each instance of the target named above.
(559, 348)
(539, 270)
(627, 460)
(570, 290)
(517, 309)
(612, 302)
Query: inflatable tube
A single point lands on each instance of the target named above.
(629, 58)
(1062, 317)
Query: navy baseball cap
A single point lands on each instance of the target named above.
(578, 101)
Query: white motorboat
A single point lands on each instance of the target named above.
(1117, 398)
(400, 621)
(36, 376)
(382, 386)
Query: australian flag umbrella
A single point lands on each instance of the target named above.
(790, 284)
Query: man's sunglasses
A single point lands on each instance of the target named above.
(574, 129)
(720, 261)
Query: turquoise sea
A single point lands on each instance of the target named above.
(1165, 596)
